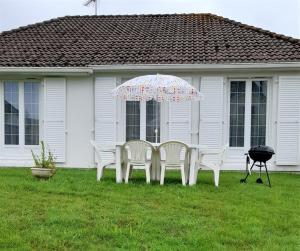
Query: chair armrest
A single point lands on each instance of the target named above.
(214, 165)
(149, 154)
(202, 147)
(162, 153)
(200, 158)
(184, 155)
(210, 152)
(106, 150)
(127, 148)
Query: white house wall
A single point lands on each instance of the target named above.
(80, 122)
(79, 126)
(80, 117)
(236, 159)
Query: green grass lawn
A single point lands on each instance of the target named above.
(74, 212)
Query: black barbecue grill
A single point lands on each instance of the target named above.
(259, 154)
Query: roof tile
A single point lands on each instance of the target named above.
(143, 39)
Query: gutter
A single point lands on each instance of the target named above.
(47, 70)
(88, 70)
(211, 67)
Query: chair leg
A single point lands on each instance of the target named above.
(127, 173)
(197, 168)
(123, 166)
(216, 176)
(186, 171)
(162, 174)
(147, 169)
(130, 173)
(183, 174)
(99, 172)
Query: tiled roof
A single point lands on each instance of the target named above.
(143, 39)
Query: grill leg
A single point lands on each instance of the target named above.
(259, 180)
(244, 180)
(247, 163)
(267, 174)
(260, 169)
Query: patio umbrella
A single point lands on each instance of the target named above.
(161, 88)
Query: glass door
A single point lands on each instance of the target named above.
(248, 113)
(152, 121)
(237, 113)
(132, 120)
(143, 120)
(258, 113)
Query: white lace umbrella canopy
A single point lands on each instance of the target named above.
(161, 88)
(158, 87)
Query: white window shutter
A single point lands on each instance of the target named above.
(55, 117)
(105, 113)
(180, 120)
(211, 112)
(288, 121)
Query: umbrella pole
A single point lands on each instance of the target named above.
(156, 112)
(156, 132)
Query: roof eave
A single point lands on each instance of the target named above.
(47, 70)
(148, 67)
(208, 67)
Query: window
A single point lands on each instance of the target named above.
(21, 113)
(132, 120)
(152, 121)
(237, 113)
(258, 113)
(11, 117)
(248, 109)
(31, 106)
(142, 118)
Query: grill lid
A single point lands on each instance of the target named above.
(262, 149)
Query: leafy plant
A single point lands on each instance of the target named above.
(44, 161)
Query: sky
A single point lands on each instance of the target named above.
(280, 16)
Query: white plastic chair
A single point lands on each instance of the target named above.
(173, 155)
(214, 165)
(109, 152)
(139, 156)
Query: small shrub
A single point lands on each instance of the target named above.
(44, 161)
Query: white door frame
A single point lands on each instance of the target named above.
(248, 103)
(142, 120)
(20, 151)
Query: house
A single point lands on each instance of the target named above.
(56, 79)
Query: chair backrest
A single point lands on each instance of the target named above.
(138, 150)
(173, 152)
(223, 153)
(104, 153)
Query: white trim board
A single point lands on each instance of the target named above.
(20, 151)
(259, 66)
(87, 70)
(90, 69)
